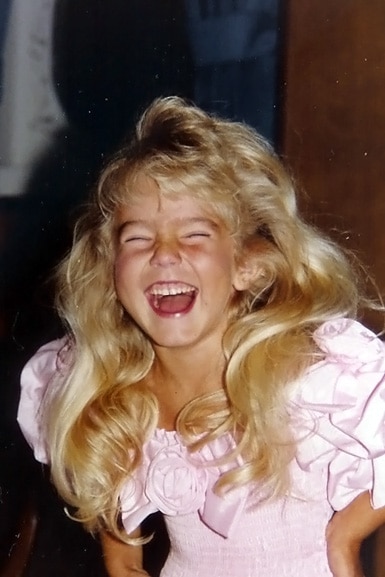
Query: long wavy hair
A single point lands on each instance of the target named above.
(98, 422)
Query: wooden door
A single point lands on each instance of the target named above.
(333, 122)
(333, 129)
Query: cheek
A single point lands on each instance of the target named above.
(122, 274)
(225, 265)
(117, 270)
(123, 264)
(128, 281)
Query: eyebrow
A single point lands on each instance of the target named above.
(183, 221)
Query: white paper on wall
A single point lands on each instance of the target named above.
(30, 113)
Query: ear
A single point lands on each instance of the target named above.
(247, 271)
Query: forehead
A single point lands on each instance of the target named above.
(146, 199)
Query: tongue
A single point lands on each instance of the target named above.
(175, 303)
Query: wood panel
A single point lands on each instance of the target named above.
(333, 124)
(333, 130)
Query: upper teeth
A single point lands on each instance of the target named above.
(171, 290)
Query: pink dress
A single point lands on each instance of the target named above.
(338, 410)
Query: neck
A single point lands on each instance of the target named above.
(193, 372)
(180, 375)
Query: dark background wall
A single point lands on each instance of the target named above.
(109, 60)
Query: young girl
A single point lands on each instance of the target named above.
(212, 368)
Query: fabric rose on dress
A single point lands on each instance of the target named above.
(174, 484)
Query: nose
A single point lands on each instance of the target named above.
(166, 253)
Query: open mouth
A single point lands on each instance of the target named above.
(171, 298)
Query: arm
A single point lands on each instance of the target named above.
(120, 559)
(345, 533)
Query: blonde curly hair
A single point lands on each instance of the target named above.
(98, 422)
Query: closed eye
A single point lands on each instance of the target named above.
(129, 239)
(137, 237)
(133, 231)
(197, 234)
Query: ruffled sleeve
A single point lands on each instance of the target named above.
(340, 405)
(49, 364)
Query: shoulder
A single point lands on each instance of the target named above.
(50, 357)
(352, 365)
(338, 410)
(346, 341)
(48, 367)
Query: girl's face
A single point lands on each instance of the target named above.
(175, 268)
